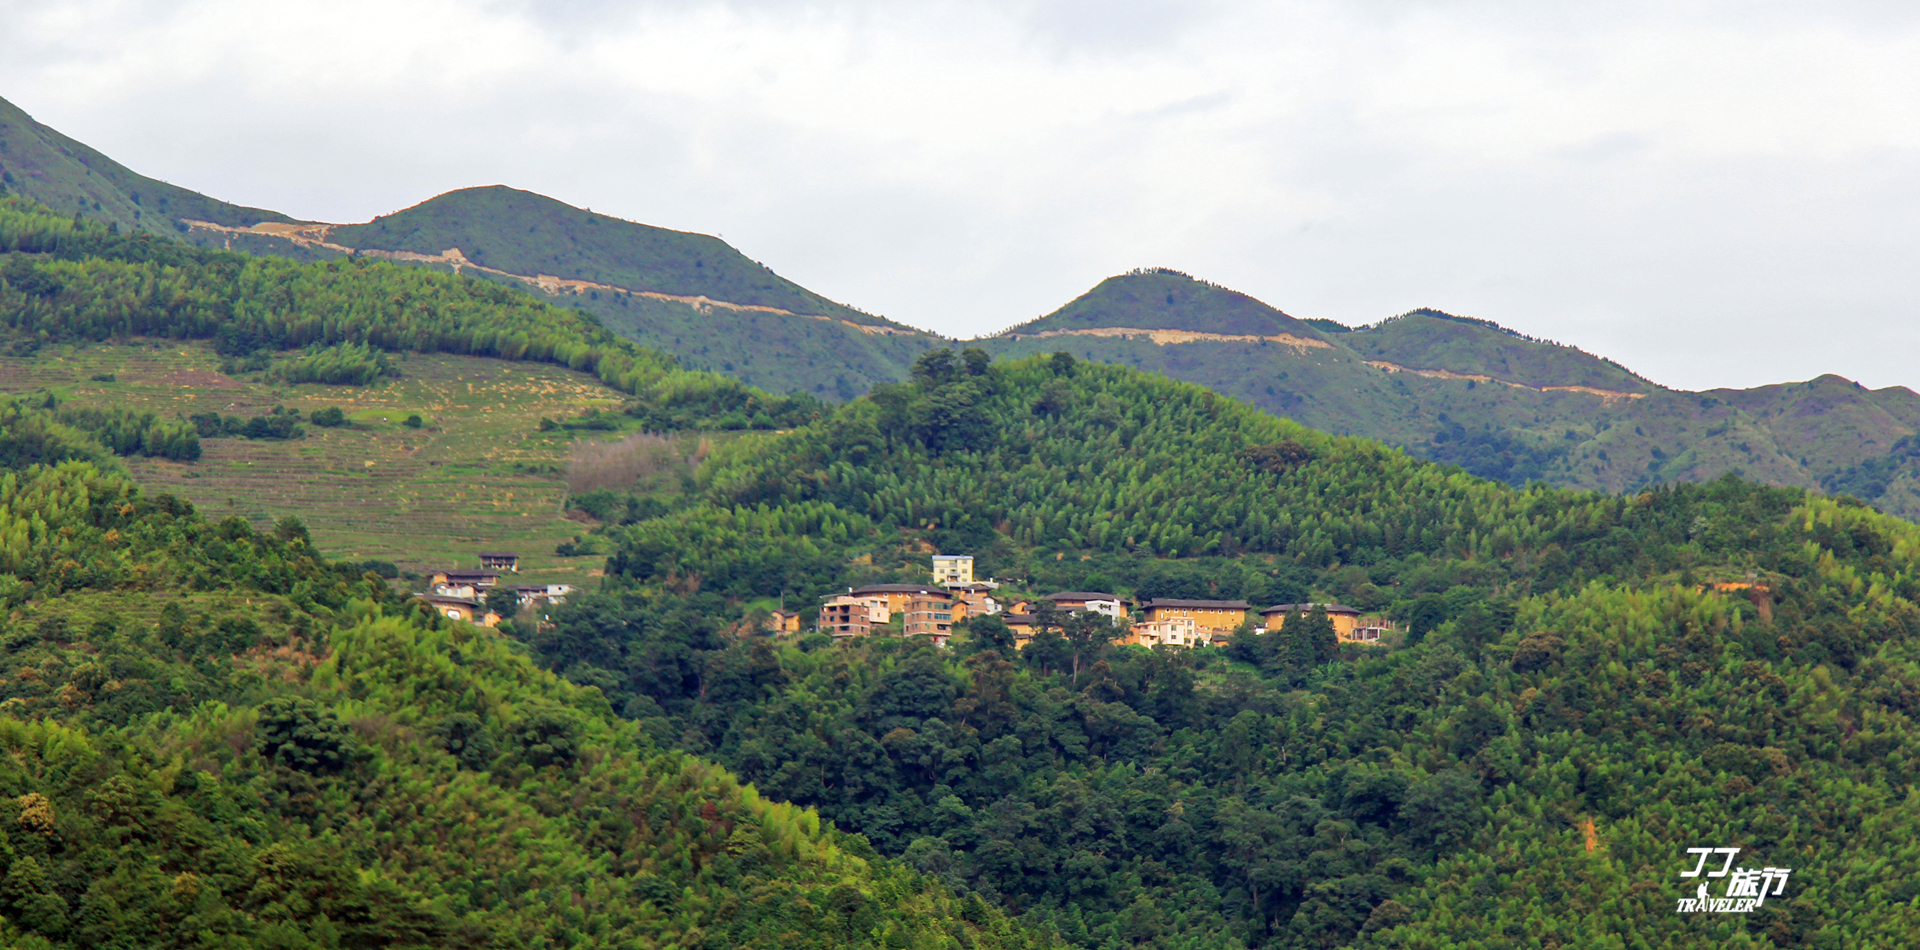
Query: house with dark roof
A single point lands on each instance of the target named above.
(1348, 623)
(472, 584)
(500, 561)
(1218, 617)
(464, 609)
(1075, 601)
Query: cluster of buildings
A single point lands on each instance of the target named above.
(462, 595)
(932, 610)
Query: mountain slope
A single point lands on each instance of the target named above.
(1431, 340)
(524, 233)
(1472, 393)
(214, 737)
(1579, 687)
(1163, 299)
(71, 178)
(687, 294)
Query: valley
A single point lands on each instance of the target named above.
(1621, 624)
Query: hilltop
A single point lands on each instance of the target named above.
(1443, 386)
(689, 294)
(71, 178)
(1164, 299)
(1500, 404)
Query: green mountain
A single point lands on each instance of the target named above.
(688, 294)
(1579, 688)
(70, 178)
(215, 737)
(1500, 404)
(1444, 387)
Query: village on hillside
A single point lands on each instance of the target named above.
(933, 610)
(476, 596)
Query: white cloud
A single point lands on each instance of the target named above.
(1711, 193)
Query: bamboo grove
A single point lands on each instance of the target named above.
(213, 737)
(1587, 685)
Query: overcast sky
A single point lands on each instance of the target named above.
(1714, 194)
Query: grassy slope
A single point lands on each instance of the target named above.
(527, 234)
(1163, 299)
(1432, 340)
(478, 477)
(775, 352)
(70, 177)
(1803, 434)
(524, 233)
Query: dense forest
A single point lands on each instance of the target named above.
(215, 738)
(70, 279)
(1583, 687)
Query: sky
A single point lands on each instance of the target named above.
(1713, 194)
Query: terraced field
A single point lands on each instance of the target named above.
(479, 475)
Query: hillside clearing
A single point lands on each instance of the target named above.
(477, 475)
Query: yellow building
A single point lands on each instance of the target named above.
(1348, 624)
(951, 569)
(1212, 617)
(897, 596)
(462, 609)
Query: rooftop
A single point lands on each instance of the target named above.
(898, 589)
(448, 599)
(1308, 608)
(1198, 604)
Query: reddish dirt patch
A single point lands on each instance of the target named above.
(199, 378)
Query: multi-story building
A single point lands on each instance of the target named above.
(977, 596)
(1348, 624)
(463, 583)
(1176, 632)
(500, 561)
(951, 569)
(931, 617)
(896, 596)
(1076, 601)
(462, 609)
(1214, 618)
(846, 617)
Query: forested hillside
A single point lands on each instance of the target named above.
(687, 294)
(1500, 404)
(213, 737)
(70, 279)
(1586, 685)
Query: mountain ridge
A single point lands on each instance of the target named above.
(1500, 403)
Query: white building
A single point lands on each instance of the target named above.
(1174, 632)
